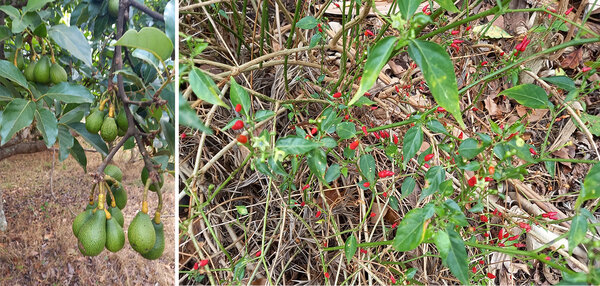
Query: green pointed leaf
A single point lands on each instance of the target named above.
(34, 5)
(408, 186)
(150, 39)
(333, 172)
(448, 5)
(469, 148)
(577, 232)
(378, 56)
(239, 96)
(410, 231)
(350, 247)
(408, 8)
(442, 242)
(205, 88)
(70, 93)
(79, 154)
(72, 39)
(413, 139)
(529, 95)
(438, 71)
(317, 163)
(17, 115)
(591, 185)
(12, 73)
(170, 23)
(189, 118)
(434, 177)
(296, 145)
(346, 130)
(65, 142)
(47, 125)
(307, 23)
(93, 139)
(457, 257)
(563, 82)
(367, 166)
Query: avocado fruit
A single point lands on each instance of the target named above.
(57, 74)
(115, 237)
(92, 206)
(117, 215)
(120, 197)
(92, 234)
(159, 244)
(41, 71)
(145, 175)
(114, 172)
(141, 233)
(108, 131)
(113, 7)
(93, 122)
(29, 72)
(80, 220)
(122, 123)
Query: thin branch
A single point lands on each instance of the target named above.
(140, 6)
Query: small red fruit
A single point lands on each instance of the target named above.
(318, 214)
(364, 130)
(586, 69)
(203, 262)
(238, 107)
(441, 109)
(481, 262)
(491, 276)
(491, 170)
(460, 136)
(183, 135)
(369, 33)
(373, 214)
(474, 270)
(327, 275)
(455, 32)
(337, 95)
(428, 157)
(532, 151)
(242, 139)
(196, 266)
(483, 218)
(366, 184)
(395, 139)
(238, 125)
(353, 145)
(472, 181)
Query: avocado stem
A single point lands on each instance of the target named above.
(110, 193)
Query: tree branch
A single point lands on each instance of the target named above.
(22, 148)
(145, 9)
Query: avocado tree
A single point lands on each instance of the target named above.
(93, 73)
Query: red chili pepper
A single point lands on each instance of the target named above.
(491, 276)
(238, 125)
(440, 109)
(428, 157)
(364, 129)
(305, 187)
(327, 275)
(547, 258)
(196, 266)
(460, 136)
(320, 30)
(397, 89)
(366, 184)
(238, 107)
(484, 63)
(519, 244)
(491, 170)
(475, 109)
(488, 179)
(364, 251)
(242, 139)
(426, 166)
(586, 69)
(501, 244)
(346, 117)
(481, 262)
(483, 218)
(472, 181)
(525, 226)
(468, 28)
(486, 234)
(337, 95)
(385, 173)
(367, 94)
(373, 214)
(318, 214)
(532, 151)
(183, 135)
(394, 225)
(513, 238)
(425, 10)
(336, 5)
(385, 194)
(258, 253)
(353, 145)
(203, 262)
(376, 135)
(474, 269)
(393, 279)
(313, 131)
(455, 32)
(369, 33)
(569, 11)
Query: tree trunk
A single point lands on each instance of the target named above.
(21, 148)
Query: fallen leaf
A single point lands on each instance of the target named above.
(572, 60)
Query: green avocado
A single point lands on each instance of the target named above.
(41, 71)
(80, 220)
(57, 74)
(122, 120)
(92, 234)
(120, 197)
(115, 237)
(113, 7)
(117, 215)
(141, 233)
(29, 72)
(93, 122)
(108, 131)
(159, 244)
(114, 172)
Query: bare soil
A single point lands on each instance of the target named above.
(39, 246)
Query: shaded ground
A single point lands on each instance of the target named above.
(39, 246)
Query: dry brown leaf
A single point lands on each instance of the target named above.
(521, 110)
(572, 60)
(491, 106)
(536, 115)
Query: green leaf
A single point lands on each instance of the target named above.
(150, 39)
(562, 82)
(346, 130)
(262, 167)
(350, 247)
(307, 23)
(457, 257)
(410, 231)
(47, 125)
(529, 95)
(65, 142)
(592, 120)
(11, 11)
(205, 88)
(577, 232)
(408, 8)
(189, 118)
(239, 96)
(79, 154)
(328, 142)
(12, 73)
(93, 139)
(72, 39)
(448, 5)
(442, 242)
(239, 270)
(169, 16)
(469, 148)
(591, 184)
(70, 93)
(413, 139)
(17, 115)
(435, 126)
(314, 40)
(329, 118)
(408, 186)
(317, 162)
(366, 164)
(242, 210)
(434, 177)
(333, 172)
(296, 145)
(438, 71)
(34, 5)
(5, 33)
(378, 56)
(263, 114)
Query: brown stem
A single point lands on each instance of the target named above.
(145, 9)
